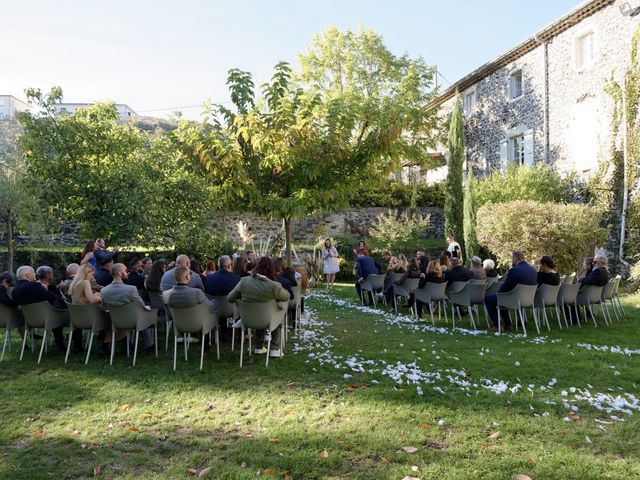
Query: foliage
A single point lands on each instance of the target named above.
(393, 227)
(470, 207)
(538, 183)
(203, 243)
(300, 149)
(394, 194)
(453, 202)
(566, 233)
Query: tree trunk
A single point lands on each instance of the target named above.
(288, 224)
(10, 241)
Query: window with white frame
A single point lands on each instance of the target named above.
(516, 150)
(515, 84)
(469, 101)
(585, 51)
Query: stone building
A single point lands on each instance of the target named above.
(544, 100)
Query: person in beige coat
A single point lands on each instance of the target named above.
(261, 287)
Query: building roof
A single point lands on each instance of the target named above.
(87, 104)
(17, 100)
(565, 22)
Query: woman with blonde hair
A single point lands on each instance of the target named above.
(80, 289)
(432, 275)
(404, 263)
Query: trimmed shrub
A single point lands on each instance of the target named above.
(391, 227)
(538, 183)
(397, 194)
(566, 233)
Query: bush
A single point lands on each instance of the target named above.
(397, 194)
(391, 227)
(566, 233)
(538, 183)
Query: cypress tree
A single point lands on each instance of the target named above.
(470, 238)
(453, 202)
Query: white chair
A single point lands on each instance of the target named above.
(132, 316)
(10, 318)
(471, 295)
(432, 292)
(567, 296)
(86, 317)
(261, 316)
(547, 296)
(519, 299)
(375, 285)
(591, 295)
(42, 315)
(196, 319)
(404, 291)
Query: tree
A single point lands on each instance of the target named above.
(13, 197)
(470, 239)
(453, 202)
(302, 148)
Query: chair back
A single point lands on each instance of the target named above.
(569, 278)
(562, 279)
(491, 281)
(395, 277)
(522, 296)
(455, 287)
(43, 315)
(155, 300)
(568, 293)
(125, 317)
(10, 317)
(407, 287)
(478, 281)
(87, 317)
(297, 294)
(618, 279)
(431, 292)
(261, 315)
(471, 294)
(226, 309)
(589, 295)
(374, 283)
(493, 288)
(608, 290)
(198, 318)
(546, 295)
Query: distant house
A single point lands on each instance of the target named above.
(544, 99)
(10, 106)
(125, 111)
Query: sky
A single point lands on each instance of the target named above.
(162, 56)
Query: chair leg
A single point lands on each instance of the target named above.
(605, 313)
(499, 322)
(433, 322)
(523, 322)
(217, 344)
(202, 350)
(250, 337)
(44, 342)
(4, 345)
(546, 318)
(86, 361)
(590, 313)
(185, 341)
(128, 342)
(241, 343)
(395, 303)
(558, 317)
(175, 350)
(453, 315)
(373, 295)
(113, 344)
(24, 344)
(135, 349)
(155, 333)
(66, 357)
(471, 320)
(269, 350)
(233, 338)
(443, 307)
(166, 335)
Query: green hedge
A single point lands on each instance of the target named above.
(397, 194)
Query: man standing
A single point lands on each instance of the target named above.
(118, 293)
(250, 258)
(101, 252)
(520, 273)
(365, 266)
(168, 280)
(454, 248)
(184, 296)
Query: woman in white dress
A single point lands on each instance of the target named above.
(330, 258)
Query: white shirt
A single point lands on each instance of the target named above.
(453, 246)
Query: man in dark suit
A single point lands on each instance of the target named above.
(103, 273)
(28, 291)
(101, 252)
(222, 281)
(598, 276)
(520, 273)
(365, 266)
(184, 296)
(457, 273)
(6, 282)
(135, 278)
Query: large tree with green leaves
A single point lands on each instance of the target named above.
(305, 145)
(453, 202)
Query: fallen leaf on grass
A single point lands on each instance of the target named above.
(192, 471)
(532, 459)
(383, 460)
(274, 440)
(523, 477)
(147, 415)
(494, 436)
(410, 478)
(133, 429)
(208, 408)
(39, 433)
(75, 432)
(243, 465)
(204, 472)
(269, 472)
(414, 468)
(324, 454)
(410, 449)
(341, 442)
(425, 425)
(125, 407)
(288, 477)
(97, 470)
(247, 435)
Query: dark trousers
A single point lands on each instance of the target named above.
(359, 290)
(491, 302)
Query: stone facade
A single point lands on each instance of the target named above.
(563, 114)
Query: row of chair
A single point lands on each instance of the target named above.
(471, 294)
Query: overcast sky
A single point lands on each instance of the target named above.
(160, 56)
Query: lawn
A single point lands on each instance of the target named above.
(360, 395)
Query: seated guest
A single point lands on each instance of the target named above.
(102, 254)
(222, 281)
(147, 263)
(587, 266)
(88, 256)
(44, 275)
(445, 261)
(135, 278)
(80, 289)
(240, 267)
(404, 263)
(477, 272)
(249, 258)
(394, 266)
(103, 274)
(365, 266)
(457, 273)
(71, 271)
(423, 260)
(118, 293)
(413, 271)
(432, 275)
(6, 285)
(28, 291)
(547, 274)
(169, 280)
(490, 268)
(152, 281)
(211, 268)
(196, 268)
(520, 273)
(386, 259)
(261, 287)
(184, 296)
(278, 267)
(598, 275)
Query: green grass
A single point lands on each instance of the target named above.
(148, 422)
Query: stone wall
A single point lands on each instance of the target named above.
(350, 222)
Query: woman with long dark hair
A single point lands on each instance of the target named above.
(88, 257)
(152, 281)
(240, 266)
